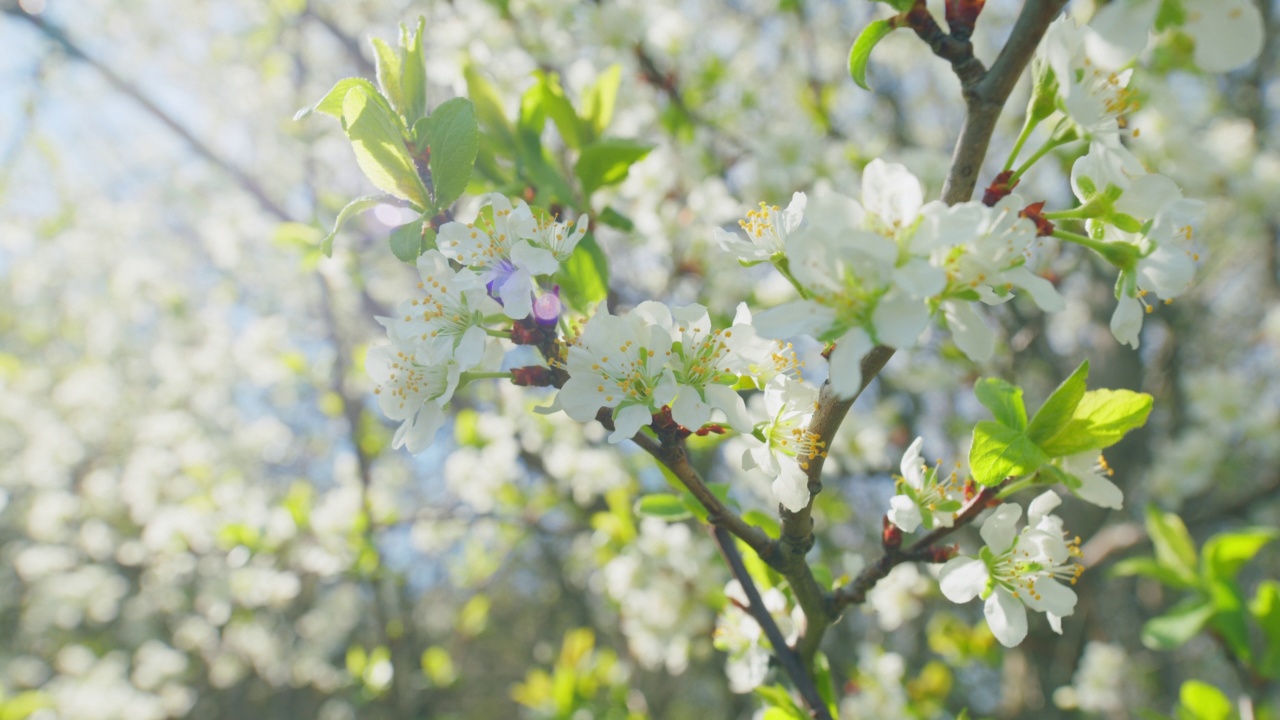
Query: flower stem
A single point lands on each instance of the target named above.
(781, 262)
(1097, 246)
(1027, 128)
(469, 376)
(1017, 485)
(1049, 146)
(497, 333)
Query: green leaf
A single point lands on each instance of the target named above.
(666, 506)
(1202, 701)
(599, 100)
(1003, 400)
(607, 162)
(584, 277)
(378, 142)
(454, 138)
(1057, 411)
(860, 53)
(413, 74)
(1148, 567)
(387, 70)
(1225, 553)
(1174, 548)
(615, 219)
(777, 698)
(331, 103)
(556, 106)
(538, 168)
(1177, 626)
(998, 452)
(1266, 609)
(353, 208)
(1100, 420)
(488, 104)
(1229, 618)
(411, 240)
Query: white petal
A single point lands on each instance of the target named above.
(534, 260)
(846, 362)
(970, 331)
(1051, 596)
(517, 295)
(912, 465)
(1228, 33)
(798, 317)
(732, 405)
(580, 399)
(1124, 28)
(920, 279)
(890, 191)
(1006, 617)
(962, 579)
(1042, 291)
(628, 421)
(1167, 270)
(1147, 195)
(689, 410)
(1126, 321)
(1099, 491)
(1044, 504)
(470, 348)
(904, 513)
(998, 530)
(899, 319)
(791, 487)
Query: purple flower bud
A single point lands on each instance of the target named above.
(546, 309)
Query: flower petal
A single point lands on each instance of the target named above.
(1006, 617)
(998, 530)
(963, 578)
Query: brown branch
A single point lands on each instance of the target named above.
(787, 657)
(985, 96)
(923, 550)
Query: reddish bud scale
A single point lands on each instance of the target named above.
(962, 15)
(532, 376)
(708, 429)
(999, 189)
(528, 332)
(891, 535)
(942, 553)
(1035, 213)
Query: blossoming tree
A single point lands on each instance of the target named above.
(741, 359)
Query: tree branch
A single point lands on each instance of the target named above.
(985, 96)
(855, 593)
(787, 658)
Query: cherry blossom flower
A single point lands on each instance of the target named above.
(785, 442)
(923, 500)
(498, 247)
(450, 318)
(618, 363)
(767, 230)
(1227, 33)
(414, 386)
(1017, 570)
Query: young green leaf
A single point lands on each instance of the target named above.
(1053, 416)
(454, 138)
(1148, 567)
(1266, 610)
(1202, 701)
(1101, 419)
(378, 142)
(353, 208)
(387, 71)
(1173, 545)
(584, 277)
(598, 102)
(860, 53)
(666, 506)
(1225, 553)
(998, 452)
(413, 73)
(1229, 620)
(607, 162)
(331, 103)
(488, 104)
(1176, 627)
(411, 240)
(1003, 400)
(556, 105)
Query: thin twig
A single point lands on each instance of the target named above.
(787, 658)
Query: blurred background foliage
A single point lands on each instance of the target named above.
(200, 515)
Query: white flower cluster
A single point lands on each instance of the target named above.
(876, 270)
(1018, 569)
(446, 332)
